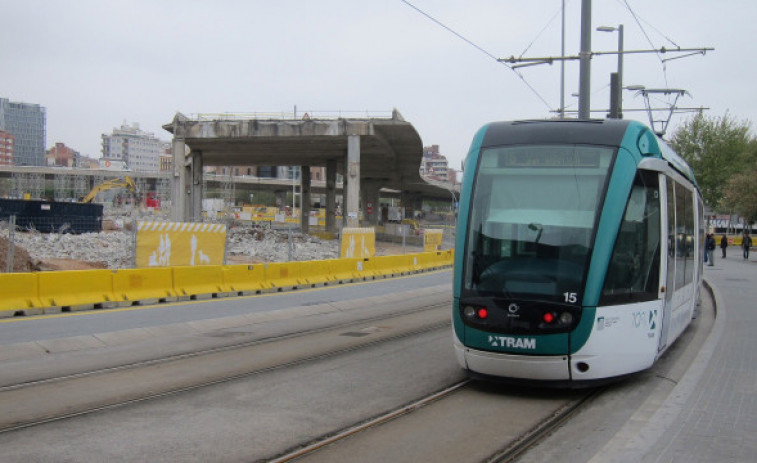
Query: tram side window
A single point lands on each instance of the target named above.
(690, 235)
(633, 273)
(681, 237)
(673, 239)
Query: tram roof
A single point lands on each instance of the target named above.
(577, 131)
(594, 131)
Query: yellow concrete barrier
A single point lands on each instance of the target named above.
(146, 286)
(315, 272)
(198, 282)
(283, 275)
(344, 270)
(20, 291)
(392, 265)
(77, 289)
(245, 278)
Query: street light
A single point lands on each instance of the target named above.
(616, 91)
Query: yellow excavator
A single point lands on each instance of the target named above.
(125, 182)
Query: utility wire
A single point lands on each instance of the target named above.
(482, 50)
(649, 40)
(448, 29)
(549, 23)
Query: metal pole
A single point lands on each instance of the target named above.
(584, 87)
(11, 244)
(562, 66)
(290, 254)
(134, 242)
(614, 96)
(620, 71)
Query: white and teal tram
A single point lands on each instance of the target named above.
(579, 251)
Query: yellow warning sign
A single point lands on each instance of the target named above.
(165, 244)
(432, 239)
(358, 242)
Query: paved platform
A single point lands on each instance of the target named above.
(711, 414)
(717, 420)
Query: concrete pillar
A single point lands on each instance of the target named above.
(305, 199)
(370, 199)
(196, 191)
(331, 196)
(352, 180)
(178, 180)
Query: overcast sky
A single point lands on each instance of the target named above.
(97, 64)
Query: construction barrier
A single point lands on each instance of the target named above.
(197, 282)
(358, 242)
(344, 270)
(392, 265)
(145, 286)
(315, 272)
(20, 291)
(168, 244)
(27, 293)
(76, 289)
(245, 278)
(432, 239)
(283, 275)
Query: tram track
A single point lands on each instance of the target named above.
(58, 398)
(524, 437)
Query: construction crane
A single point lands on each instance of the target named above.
(125, 182)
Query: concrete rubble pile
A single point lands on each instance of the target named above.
(273, 246)
(115, 249)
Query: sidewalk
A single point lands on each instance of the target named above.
(712, 414)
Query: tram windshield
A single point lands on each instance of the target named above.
(532, 220)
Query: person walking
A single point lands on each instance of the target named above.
(723, 244)
(746, 243)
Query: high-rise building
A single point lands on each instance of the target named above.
(6, 148)
(26, 122)
(132, 148)
(434, 165)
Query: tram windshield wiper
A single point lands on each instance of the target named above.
(538, 229)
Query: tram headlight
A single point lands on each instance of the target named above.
(473, 313)
(566, 318)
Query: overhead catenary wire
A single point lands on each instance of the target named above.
(649, 40)
(479, 48)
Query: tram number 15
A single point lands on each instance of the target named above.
(570, 298)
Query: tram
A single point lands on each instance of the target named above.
(580, 246)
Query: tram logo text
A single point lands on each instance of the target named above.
(516, 343)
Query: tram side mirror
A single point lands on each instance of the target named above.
(647, 144)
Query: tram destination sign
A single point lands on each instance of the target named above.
(546, 156)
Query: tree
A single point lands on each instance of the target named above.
(716, 149)
(741, 194)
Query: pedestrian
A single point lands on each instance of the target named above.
(709, 248)
(723, 244)
(746, 243)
